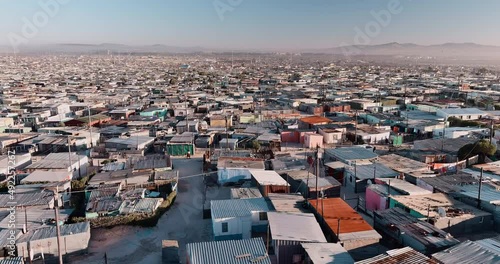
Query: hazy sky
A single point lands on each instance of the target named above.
(248, 24)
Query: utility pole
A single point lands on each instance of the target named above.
(356, 127)
(307, 187)
(69, 155)
(227, 135)
(90, 128)
(444, 131)
(58, 230)
(479, 191)
(187, 117)
(491, 130)
(317, 174)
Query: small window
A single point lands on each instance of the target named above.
(225, 228)
(263, 216)
(350, 178)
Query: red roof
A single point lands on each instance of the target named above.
(335, 209)
(315, 120)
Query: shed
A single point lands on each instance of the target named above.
(237, 218)
(269, 182)
(75, 239)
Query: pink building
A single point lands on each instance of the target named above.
(313, 140)
(302, 135)
(377, 195)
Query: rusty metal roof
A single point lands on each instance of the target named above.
(315, 120)
(335, 211)
(405, 255)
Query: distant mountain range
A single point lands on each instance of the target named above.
(459, 50)
(447, 50)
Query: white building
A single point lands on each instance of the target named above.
(461, 113)
(456, 132)
(237, 218)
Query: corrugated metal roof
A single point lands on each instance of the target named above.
(322, 182)
(422, 204)
(449, 183)
(268, 177)
(488, 193)
(402, 164)
(14, 260)
(48, 232)
(351, 223)
(295, 227)
(49, 176)
(462, 111)
(405, 255)
(5, 234)
(58, 161)
(351, 153)
(367, 171)
(327, 253)
(492, 244)
(421, 231)
(404, 186)
(38, 216)
(26, 199)
(238, 207)
(228, 252)
(468, 252)
(151, 162)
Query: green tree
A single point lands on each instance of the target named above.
(482, 148)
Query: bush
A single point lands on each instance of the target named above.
(79, 185)
(482, 148)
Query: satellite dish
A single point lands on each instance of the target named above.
(441, 212)
(369, 182)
